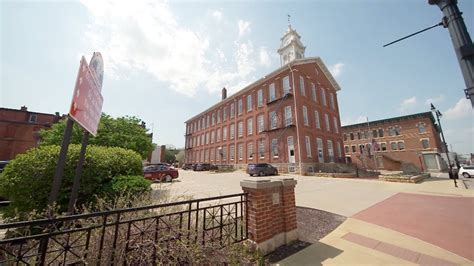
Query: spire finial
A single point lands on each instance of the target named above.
(289, 24)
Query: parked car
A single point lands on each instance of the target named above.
(467, 171)
(2, 165)
(261, 169)
(160, 173)
(187, 166)
(204, 167)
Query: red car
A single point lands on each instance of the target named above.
(160, 172)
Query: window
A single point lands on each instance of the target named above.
(213, 136)
(239, 107)
(331, 101)
(374, 133)
(353, 148)
(401, 145)
(361, 148)
(259, 98)
(394, 146)
(218, 135)
(249, 126)
(274, 147)
(421, 128)
(207, 138)
(232, 152)
(316, 119)
(336, 125)
(344, 136)
(206, 155)
(224, 133)
(308, 146)
(224, 153)
(273, 120)
(352, 136)
(250, 150)
(383, 146)
(313, 92)
(208, 120)
(368, 148)
(302, 90)
(260, 122)
(212, 155)
(219, 116)
(323, 97)
(286, 85)
(240, 129)
(213, 118)
(224, 114)
(232, 110)
(346, 149)
(288, 116)
(425, 143)
(326, 119)
(232, 131)
(261, 148)
(319, 143)
(33, 118)
(199, 124)
(305, 116)
(339, 152)
(249, 102)
(381, 133)
(240, 151)
(397, 130)
(271, 92)
(358, 135)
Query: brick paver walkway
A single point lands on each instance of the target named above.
(447, 222)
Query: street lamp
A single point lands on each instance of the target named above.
(438, 115)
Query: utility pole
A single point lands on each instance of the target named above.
(462, 42)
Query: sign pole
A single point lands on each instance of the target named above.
(78, 173)
(58, 174)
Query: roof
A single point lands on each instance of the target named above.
(25, 111)
(393, 119)
(309, 60)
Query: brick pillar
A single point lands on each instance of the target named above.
(271, 212)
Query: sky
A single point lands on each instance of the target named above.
(167, 61)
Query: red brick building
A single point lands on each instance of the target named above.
(388, 143)
(289, 118)
(19, 130)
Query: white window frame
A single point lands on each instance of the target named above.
(314, 96)
(273, 120)
(331, 101)
(261, 123)
(320, 149)
(328, 125)
(274, 148)
(317, 120)
(323, 97)
(250, 153)
(261, 149)
(232, 152)
(302, 88)
(428, 140)
(330, 150)
(240, 151)
(224, 133)
(305, 116)
(240, 129)
(249, 103)
(260, 98)
(232, 110)
(271, 92)
(308, 146)
(240, 107)
(286, 85)
(232, 131)
(336, 124)
(250, 126)
(288, 116)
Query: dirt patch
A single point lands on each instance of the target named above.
(313, 224)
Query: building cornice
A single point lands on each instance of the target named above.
(391, 120)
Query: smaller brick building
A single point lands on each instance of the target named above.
(19, 130)
(387, 144)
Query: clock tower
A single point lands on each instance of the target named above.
(291, 47)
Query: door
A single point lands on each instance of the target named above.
(291, 155)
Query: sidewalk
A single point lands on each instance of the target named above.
(432, 224)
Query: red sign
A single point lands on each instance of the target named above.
(86, 105)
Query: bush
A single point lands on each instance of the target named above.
(27, 179)
(133, 185)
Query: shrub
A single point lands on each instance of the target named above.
(133, 185)
(27, 179)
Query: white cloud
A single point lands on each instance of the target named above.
(147, 37)
(437, 99)
(351, 121)
(217, 14)
(336, 69)
(264, 57)
(462, 109)
(244, 27)
(407, 104)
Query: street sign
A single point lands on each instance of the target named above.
(97, 68)
(86, 104)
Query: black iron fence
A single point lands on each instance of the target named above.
(143, 235)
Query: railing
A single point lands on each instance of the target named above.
(142, 235)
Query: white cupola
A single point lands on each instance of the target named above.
(291, 47)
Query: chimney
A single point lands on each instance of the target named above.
(224, 93)
(24, 108)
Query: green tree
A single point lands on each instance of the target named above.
(124, 132)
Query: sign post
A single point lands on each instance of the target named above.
(86, 108)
